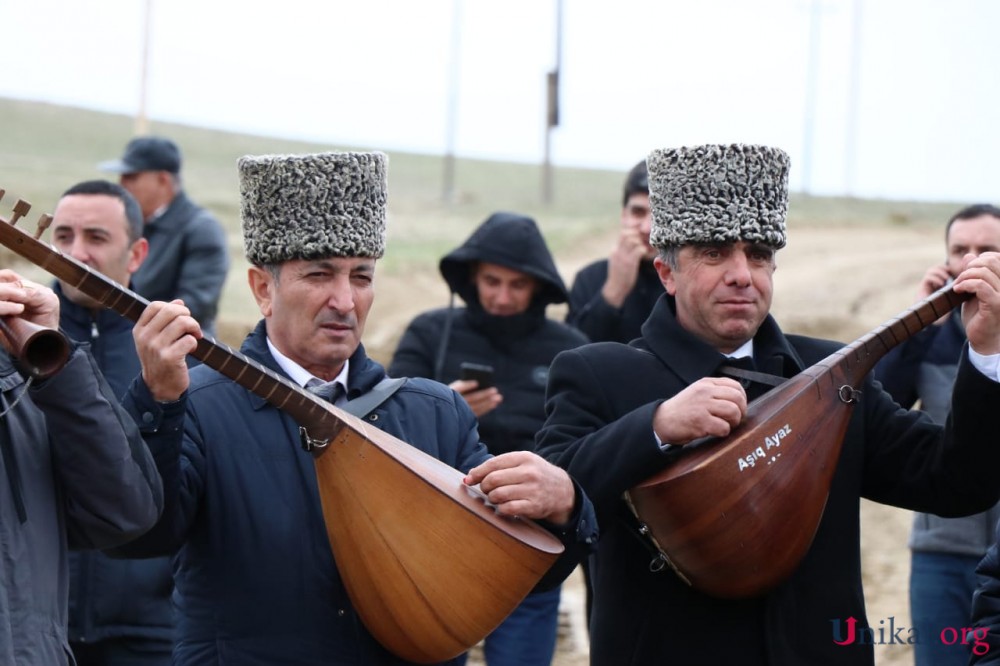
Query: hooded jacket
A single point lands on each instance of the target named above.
(519, 347)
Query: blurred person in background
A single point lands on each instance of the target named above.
(611, 298)
(188, 255)
(506, 276)
(944, 551)
(119, 609)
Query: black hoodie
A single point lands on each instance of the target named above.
(519, 347)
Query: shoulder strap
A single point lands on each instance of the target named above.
(366, 403)
(445, 336)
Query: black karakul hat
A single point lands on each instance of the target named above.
(313, 206)
(718, 194)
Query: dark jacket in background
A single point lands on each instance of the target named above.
(76, 464)
(986, 607)
(600, 412)
(188, 259)
(255, 582)
(518, 347)
(590, 313)
(112, 597)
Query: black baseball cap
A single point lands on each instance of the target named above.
(637, 182)
(146, 153)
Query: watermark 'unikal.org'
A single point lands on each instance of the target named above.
(847, 632)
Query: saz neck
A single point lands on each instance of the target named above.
(860, 357)
(304, 407)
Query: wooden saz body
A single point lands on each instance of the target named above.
(734, 516)
(430, 567)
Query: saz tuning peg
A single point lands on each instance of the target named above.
(44, 221)
(20, 209)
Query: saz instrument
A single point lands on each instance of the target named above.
(430, 567)
(734, 516)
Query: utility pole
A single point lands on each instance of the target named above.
(812, 72)
(454, 74)
(141, 121)
(552, 109)
(854, 94)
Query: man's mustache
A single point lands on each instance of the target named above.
(333, 318)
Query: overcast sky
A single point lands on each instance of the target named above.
(886, 98)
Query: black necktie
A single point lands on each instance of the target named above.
(732, 367)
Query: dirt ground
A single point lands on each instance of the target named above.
(833, 283)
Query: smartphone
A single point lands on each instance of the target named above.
(481, 373)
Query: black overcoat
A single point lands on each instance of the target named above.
(600, 404)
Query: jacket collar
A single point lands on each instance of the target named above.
(173, 214)
(362, 376)
(77, 319)
(692, 358)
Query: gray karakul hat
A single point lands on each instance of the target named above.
(312, 206)
(718, 194)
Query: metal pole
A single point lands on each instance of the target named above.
(854, 93)
(552, 109)
(141, 121)
(812, 67)
(454, 72)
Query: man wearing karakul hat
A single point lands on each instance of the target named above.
(618, 414)
(256, 582)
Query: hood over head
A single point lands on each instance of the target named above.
(510, 240)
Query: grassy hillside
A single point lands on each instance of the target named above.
(46, 148)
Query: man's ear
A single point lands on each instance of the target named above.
(165, 179)
(666, 275)
(262, 284)
(137, 255)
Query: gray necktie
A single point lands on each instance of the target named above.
(329, 391)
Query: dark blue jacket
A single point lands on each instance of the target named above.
(256, 582)
(110, 597)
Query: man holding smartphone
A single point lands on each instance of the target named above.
(944, 551)
(496, 353)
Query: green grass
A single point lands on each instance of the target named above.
(47, 148)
